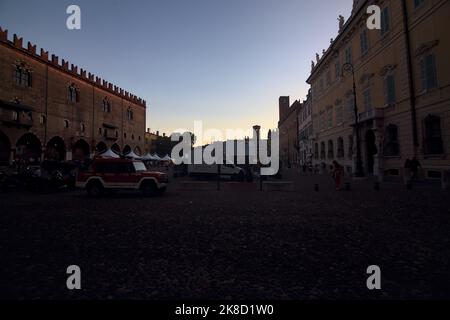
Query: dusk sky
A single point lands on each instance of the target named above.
(225, 62)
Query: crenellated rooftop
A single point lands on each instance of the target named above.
(66, 66)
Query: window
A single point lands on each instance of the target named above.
(73, 94)
(322, 121)
(322, 150)
(316, 151)
(106, 105)
(391, 145)
(42, 120)
(330, 117)
(428, 74)
(15, 116)
(337, 70)
(328, 78)
(367, 99)
(66, 124)
(340, 150)
(339, 114)
(348, 55)
(130, 114)
(389, 90)
(82, 127)
(100, 131)
(330, 149)
(433, 144)
(350, 147)
(351, 109)
(418, 3)
(22, 76)
(364, 41)
(385, 22)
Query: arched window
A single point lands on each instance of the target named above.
(350, 147)
(391, 145)
(340, 148)
(433, 144)
(66, 124)
(22, 76)
(322, 150)
(42, 120)
(106, 105)
(330, 149)
(130, 114)
(82, 127)
(73, 94)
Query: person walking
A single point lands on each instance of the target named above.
(338, 173)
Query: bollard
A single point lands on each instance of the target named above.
(376, 186)
(316, 187)
(348, 186)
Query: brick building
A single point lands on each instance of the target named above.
(51, 109)
(288, 129)
(402, 83)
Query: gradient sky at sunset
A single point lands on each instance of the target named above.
(225, 62)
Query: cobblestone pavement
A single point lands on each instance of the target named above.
(235, 243)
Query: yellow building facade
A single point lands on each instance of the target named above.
(401, 76)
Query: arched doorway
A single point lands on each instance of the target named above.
(371, 150)
(101, 147)
(81, 150)
(137, 150)
(126, 149)
(5, 148)
(29, 148)
(56, 149)
(115, 147)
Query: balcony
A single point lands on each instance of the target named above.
(16, 119)
(369, 115)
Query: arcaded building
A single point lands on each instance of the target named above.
(51, 109)
(402, 80)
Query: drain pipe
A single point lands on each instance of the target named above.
(412, 89)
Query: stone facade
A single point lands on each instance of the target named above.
(288, 129)
(402, 82)
(51, 109)
(305, 129)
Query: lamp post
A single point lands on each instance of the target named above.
(359, 168)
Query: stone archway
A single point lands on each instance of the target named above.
(29, 148)
(56, 149)
(116, 148)
(126, 149)
(137, 150)
(101, 147)
(5, 149)
(81, 150)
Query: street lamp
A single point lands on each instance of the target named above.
(359, 168)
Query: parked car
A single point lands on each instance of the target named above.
(110, 174)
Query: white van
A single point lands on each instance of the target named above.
(226, 171)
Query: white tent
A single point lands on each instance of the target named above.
(166, 158)
(109, 154)
(148, 157)
(156, 157)
(133, 155)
